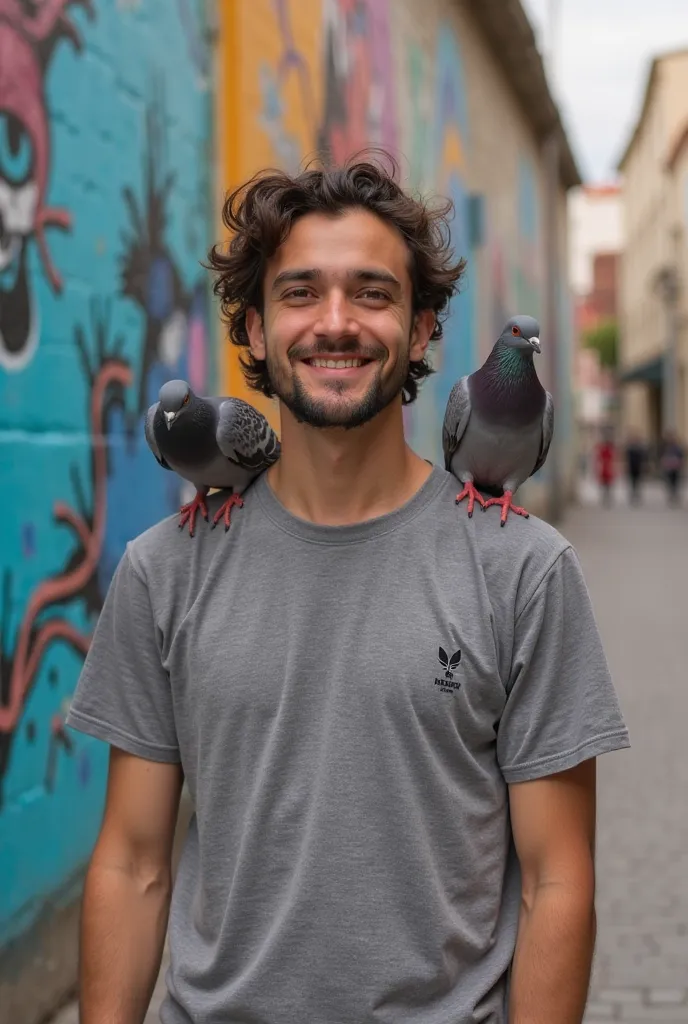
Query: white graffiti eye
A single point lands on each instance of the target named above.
(16, 151)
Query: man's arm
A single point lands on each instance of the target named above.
(553, 822)
(127, 891)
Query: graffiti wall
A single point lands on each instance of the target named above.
(104, 217)
(326, 78)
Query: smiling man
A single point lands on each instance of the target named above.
(387, 714)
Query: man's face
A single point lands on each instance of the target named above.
(337, 331)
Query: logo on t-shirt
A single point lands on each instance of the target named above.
(449, 664)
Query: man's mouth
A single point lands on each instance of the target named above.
(348, 363)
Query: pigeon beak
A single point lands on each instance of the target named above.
(535, 344)
(170, 417)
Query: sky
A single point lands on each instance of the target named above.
(602, 58)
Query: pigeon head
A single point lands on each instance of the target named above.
(523, 333)
(175, 398)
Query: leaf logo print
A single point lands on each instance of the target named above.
(449, 664)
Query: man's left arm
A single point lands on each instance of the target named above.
(553, 823)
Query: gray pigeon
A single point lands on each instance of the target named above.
(212, 442)
(499, 421)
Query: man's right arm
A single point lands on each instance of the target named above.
(127, 890)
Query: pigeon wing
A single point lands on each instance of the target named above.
(456, 417)
(245, 436)
(150, 436)
(547, 431)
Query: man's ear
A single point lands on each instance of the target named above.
(254, 329)
(423, 326)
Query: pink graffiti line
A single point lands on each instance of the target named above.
(29, 652)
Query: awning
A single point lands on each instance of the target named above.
(650, 372)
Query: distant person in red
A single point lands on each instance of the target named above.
(605, 457)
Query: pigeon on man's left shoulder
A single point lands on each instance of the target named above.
(211, 442)
(499, 421)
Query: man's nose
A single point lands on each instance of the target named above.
(336, 317)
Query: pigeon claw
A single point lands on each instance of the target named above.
(470, 492)
(189, 512)
(507, 507)
(224, 511)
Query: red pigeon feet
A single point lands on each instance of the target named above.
(507, 506)
(225, 509)
(470, 492)
(189, 512)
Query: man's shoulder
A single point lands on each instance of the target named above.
(165, 552)
(514, 557)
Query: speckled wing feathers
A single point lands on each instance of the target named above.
(245, 436)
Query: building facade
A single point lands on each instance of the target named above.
(105, 211)
(444, 86)
(653, 274)
(596, 242)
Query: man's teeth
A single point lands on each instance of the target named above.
(336, 364)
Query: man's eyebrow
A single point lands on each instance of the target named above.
(289, 276)
(368, 274)
(374, 274)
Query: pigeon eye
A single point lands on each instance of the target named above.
(515, 331)
(186, 401)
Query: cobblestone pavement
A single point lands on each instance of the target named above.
(636, 565)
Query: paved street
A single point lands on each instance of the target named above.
(636, 564)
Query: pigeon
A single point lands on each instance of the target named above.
(212, 442)
(499, 421)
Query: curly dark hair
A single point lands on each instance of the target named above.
(261, 213)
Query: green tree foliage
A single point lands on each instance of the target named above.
(605, 340)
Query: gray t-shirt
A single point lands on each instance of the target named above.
(350, 859)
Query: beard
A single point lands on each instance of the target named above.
(346, 412)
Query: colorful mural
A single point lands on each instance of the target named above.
(29, 37)
(527, 272)
(455, 355)
(117, 304)
(360, 102)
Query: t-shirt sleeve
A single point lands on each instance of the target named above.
(561, 706)
(123, 695)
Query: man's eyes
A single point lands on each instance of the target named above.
(374, 294)
(297, 293)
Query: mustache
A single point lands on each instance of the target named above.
(344, 346)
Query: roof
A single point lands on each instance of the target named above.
(508, 33)
(647, 99)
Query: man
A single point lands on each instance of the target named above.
(387, 714)
(635, 464)
(672, 458)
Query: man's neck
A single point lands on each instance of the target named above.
(337, 477)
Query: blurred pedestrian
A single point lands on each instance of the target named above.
(605, 465)
(636, 457)
(671, 462)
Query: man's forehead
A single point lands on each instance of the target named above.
(341, 244)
